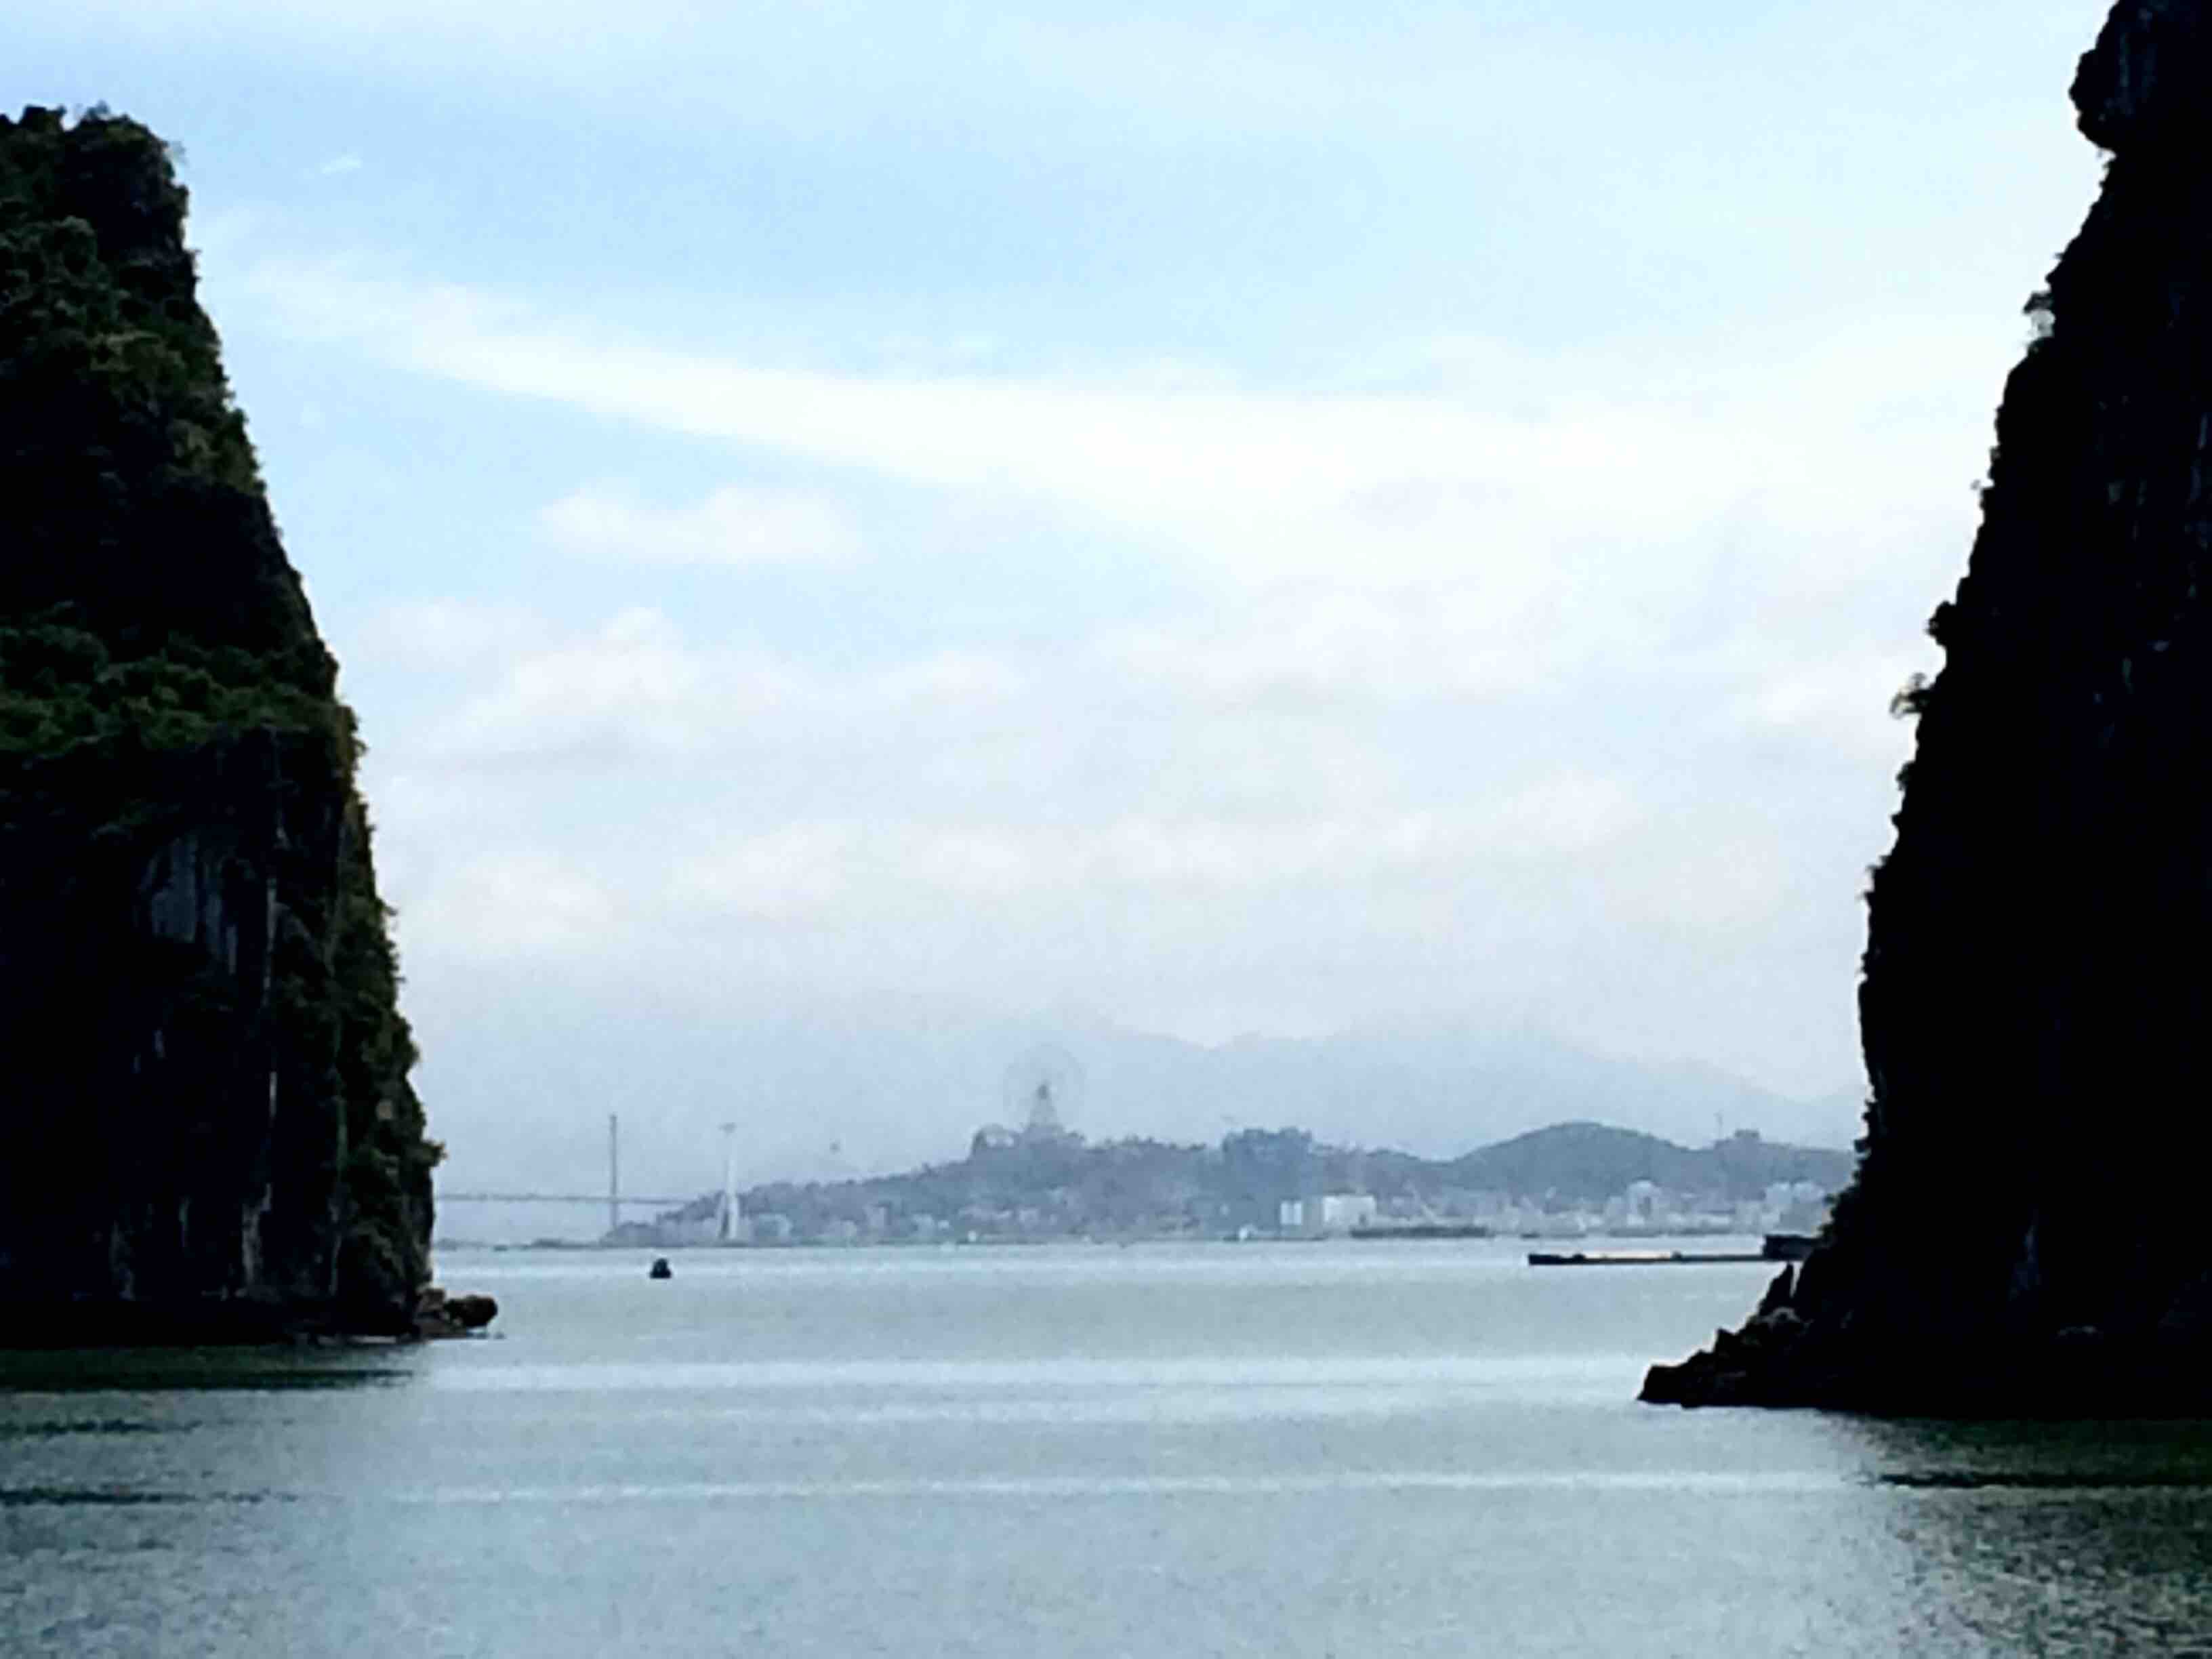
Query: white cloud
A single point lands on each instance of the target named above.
(1254, 487)
(635, 687)
(1503, 530)
(1839, 704)
(339, 165)
(1572, 814)
(513, 906)
(631, 689)
(967, 678)
(450, 636)
(1321, 643)
(792, 870)
(732, 526)
(849, 870)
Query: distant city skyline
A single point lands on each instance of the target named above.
(1564, 1180)
(817, 1106)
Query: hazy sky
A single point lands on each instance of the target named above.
(1226, 517)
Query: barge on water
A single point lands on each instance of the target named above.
(1423, 1230)
(1634, 1258)
(1778, 1247)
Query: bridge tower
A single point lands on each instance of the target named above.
(729, 1183)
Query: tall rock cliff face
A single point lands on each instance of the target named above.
(202, 1068)
(2036, 1010)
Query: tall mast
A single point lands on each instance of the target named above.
(729, 1183)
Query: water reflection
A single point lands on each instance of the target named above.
(169, 1371)
(2070, 1537)
(40, 1430)
(1292, 1461)
(24, 1497)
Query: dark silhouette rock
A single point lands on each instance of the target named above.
(211, 1131)
(2036, 978)
(1778, 1293)
(475, 1312)
(438, 1315)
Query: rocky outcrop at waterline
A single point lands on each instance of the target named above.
(2038, 976)
(210, 1128)
(438, 1315)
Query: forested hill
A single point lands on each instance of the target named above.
(210, 1122)
(1589, 1161)
(1060, 1184)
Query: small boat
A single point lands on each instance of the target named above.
(661, 1269)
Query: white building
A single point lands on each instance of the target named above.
(1341, 1211)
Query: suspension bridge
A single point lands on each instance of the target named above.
(614, 1198)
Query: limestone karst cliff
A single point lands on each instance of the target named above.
(2037, 976)
(203, 1072)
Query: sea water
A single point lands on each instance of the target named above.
(1351, 1448)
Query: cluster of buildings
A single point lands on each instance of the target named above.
(891, 1211)
(1647, 1210)
(1643, 1210)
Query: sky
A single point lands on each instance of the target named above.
(1211, 520)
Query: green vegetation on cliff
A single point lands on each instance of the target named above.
(209, 1106)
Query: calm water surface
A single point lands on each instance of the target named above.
(1288, 1450)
